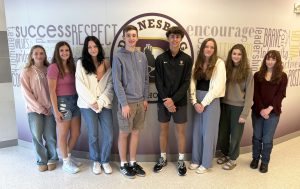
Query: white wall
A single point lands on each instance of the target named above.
(2, 16)
(8, 128)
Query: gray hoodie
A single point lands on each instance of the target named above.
(130, 76)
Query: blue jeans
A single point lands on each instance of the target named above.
(263, 133)
(100, 133)
(43, 128)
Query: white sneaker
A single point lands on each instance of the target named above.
(96, 168)
(75, 162)
(69, 167)
(107, 168)
(193, 166)
(201, 170)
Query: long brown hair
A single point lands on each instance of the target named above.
(30, 60)
(277, 69)
(242, 69)
(199, 72)
(56, 59)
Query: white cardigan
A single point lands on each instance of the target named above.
(90, 90)
(217, 84)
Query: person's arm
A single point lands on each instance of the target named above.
(219, 85)
(248, 96)
(28, 94)
(117, 81)
(159, 75)
(146, 85)
(52, 76)
(118, 86)
(182, 91)
(280, 94)
(257, 99)
(107, 96)
(192, 89)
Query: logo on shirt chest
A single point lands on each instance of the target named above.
(181, 63)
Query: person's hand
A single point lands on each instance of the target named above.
(242, 120)
(126, 111)
(172, 109)
(264, 113)
(59, 117)
(145, 105)
(199, 107)
(95, 106)
(168, 102)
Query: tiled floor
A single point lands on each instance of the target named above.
(17, 170)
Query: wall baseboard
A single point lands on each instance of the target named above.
(8, 143)
(154, 157)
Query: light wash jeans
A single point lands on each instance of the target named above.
(43, 130)
(100, 133)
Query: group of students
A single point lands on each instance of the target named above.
(61, 92)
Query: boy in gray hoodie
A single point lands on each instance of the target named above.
(131, 83)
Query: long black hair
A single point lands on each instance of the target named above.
(87, 61)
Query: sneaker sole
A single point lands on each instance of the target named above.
(202, 172)
(96, 173)
(180, 174)
(130, 177)
(70, 172)
(159, 170)
(193, 168)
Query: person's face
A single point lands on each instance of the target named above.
(130, 38)
(174, 40)
(236, 56)
(38, 56)
(64, 52)
(209, 49)
(270, 63)
(93, 49)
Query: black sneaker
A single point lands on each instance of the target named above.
(127, 171)
(159, 165)
(263, 168)
(254, 163)
(138, 170)
(181, 168)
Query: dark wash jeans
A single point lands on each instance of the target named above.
(263, 133)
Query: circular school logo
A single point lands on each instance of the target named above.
(152, 28)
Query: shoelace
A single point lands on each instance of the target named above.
(137, 166)
(161, 161)
(180, 164)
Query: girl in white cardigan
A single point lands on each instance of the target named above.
(207, 86)
(95, 95)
